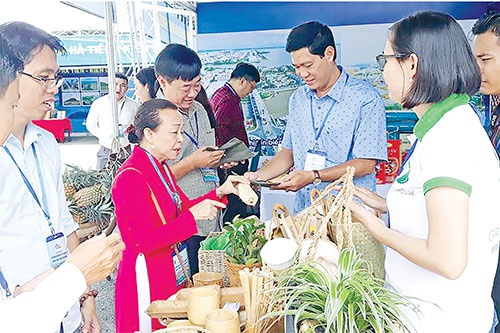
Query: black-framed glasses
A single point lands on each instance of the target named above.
(48, 83)
(382, 59)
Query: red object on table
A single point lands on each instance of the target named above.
(55, 126)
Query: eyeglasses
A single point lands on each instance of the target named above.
(382, 59)
(48, 83)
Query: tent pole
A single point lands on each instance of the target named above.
(110, 52)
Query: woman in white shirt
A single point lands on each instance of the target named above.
(443, 235)
(43, 302)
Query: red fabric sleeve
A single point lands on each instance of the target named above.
(138, 219)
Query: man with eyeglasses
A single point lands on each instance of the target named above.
(100, 120)
(226, 102)
(36, 228)
(334, 121)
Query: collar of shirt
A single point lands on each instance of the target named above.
(32, 134)
(230, 87)
(337, 90)
(436, 111)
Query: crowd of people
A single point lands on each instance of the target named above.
(442, 235)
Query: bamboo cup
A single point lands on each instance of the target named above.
(201, 301)
(223, 321)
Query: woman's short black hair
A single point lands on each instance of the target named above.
(446, 63)
(11, 65)
(27, 40)
(148, 116)
(313, 35)
(246, 71)
(147, 76)
(177, 61)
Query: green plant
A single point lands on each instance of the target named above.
(245, 240)
(354, 302)
(218, 243)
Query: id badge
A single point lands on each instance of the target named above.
(179, 272)
(209, 175)
(315, 160)
(58, 250)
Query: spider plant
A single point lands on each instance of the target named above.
(355, 301)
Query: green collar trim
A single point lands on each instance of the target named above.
(436, 112)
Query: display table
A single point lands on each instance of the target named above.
(56, 126)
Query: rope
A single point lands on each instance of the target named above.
(339, 213)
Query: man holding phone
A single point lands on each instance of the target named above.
(178, 72)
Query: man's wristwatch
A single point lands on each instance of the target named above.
(317, 177)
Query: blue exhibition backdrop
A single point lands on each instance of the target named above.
(256, 32)
(251, 16)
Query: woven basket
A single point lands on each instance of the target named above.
(213, 261)
(369, 248)
(233, 272)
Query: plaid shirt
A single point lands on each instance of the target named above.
(228, 115)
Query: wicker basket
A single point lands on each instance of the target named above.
(369, 248)
(213, 261)
(233, 272)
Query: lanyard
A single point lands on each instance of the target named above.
(410, 152)
(4, 284)
(195, 142)
(322, 124)
(407, 158)
(173, 194)
(30, 188)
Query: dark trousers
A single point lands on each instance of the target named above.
(235, 206)
(193, 245)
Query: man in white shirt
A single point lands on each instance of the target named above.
(35, 220)
(100, 120)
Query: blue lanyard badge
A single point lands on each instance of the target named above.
(193, 140)
(316, 158)
(4, 285)
(56, 242)
(44, 209)
(173, 194)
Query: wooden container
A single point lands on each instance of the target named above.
(223, 321)
(207, 278)
(201, 301)
(233, 272)
(213, 261)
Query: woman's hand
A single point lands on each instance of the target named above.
(206, 210)
(363, 215)
(369, 198)
(229, 186)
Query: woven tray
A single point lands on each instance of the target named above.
(213, 261)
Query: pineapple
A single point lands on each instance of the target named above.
(69, 190)
(79, 218)
(89, 196)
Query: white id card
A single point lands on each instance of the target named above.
(315, 160)
(58, 250)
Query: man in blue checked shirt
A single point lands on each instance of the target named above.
(334, 121)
